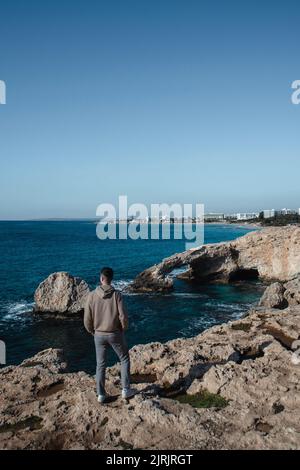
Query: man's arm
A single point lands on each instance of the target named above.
(123, 315)
(88, 317)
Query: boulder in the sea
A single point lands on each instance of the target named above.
(61, 293)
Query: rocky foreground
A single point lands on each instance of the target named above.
(235, 386)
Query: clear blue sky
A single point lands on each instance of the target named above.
(162, 100)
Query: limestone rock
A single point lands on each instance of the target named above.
(292, 291)
(282, 295)
(61, 293)
(51, 359)
(273, 296)
(269, 254)
(248, 362)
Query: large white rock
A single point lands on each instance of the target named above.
(61, 293)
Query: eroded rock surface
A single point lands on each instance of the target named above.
(61, 293)
(249, 362)
(281, 295)
(268, 254)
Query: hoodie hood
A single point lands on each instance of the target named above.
(105, 292)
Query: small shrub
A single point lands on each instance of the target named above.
(203, 399)
(241, 326)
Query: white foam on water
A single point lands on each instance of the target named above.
(230, 307)
(235, 312)
(178, 271)
(121, 284)
(190, 295)
(16, 309)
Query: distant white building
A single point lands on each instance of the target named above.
(272, 212)
(230, 216)
(287, 211)
(214, 216)
(247, 215)
(268, 213)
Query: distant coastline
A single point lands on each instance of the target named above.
(255, 224)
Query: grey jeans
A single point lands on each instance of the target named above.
(117, 341)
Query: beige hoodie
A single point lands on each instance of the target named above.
(105, 311)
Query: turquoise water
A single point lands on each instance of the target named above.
(30, 251)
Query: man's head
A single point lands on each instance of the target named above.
(106, 275)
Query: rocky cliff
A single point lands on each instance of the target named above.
(235, 386)
(268, 254)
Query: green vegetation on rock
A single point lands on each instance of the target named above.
(203, 399)
(241, 326)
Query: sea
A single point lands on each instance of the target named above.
(31, 250)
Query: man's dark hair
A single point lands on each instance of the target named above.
(107, 273)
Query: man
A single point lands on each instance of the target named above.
(105, 317)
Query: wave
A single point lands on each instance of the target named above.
(177, 271)
(190, 295)
(228, 306)
(14, 310)
(202, 323)
(121, 284)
